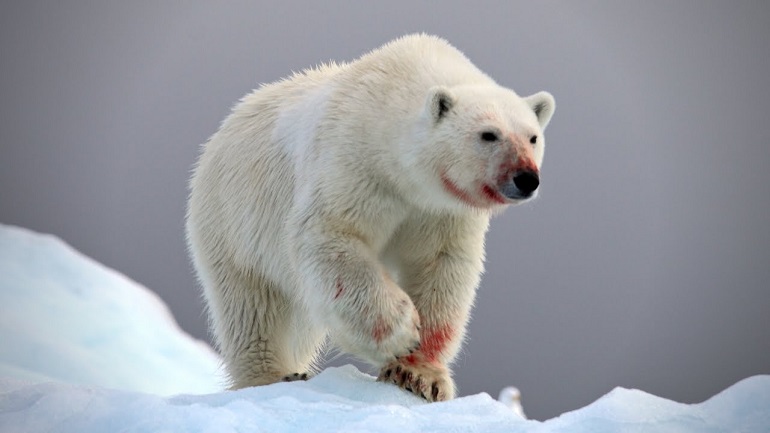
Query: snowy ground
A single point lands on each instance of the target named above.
(84, 349)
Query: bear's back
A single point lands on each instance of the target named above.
(424, 60)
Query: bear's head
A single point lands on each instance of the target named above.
(484, 144)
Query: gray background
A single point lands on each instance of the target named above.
(644, 263)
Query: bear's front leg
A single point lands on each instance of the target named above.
(441, 267)
(346, 289)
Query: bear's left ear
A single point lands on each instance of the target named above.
(440, 101)
(543, 104)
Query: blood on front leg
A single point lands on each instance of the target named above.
(381, 330)
(433, 341)
(378, 328)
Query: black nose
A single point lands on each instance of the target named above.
(526, 182)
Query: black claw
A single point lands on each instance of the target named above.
(434, 391)
(418, 386)
(295, 376)
(398, 370)
(387, 372)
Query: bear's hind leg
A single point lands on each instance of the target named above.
(256, 327)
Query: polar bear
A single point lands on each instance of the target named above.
(350, 202)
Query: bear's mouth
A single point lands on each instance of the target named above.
(506, 193)
(481, 198)
(493, 194)
(511, 189)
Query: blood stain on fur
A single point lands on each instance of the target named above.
(381, 330)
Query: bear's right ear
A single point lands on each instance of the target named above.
(440, 101)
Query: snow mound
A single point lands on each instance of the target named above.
(66, 317)
(345, 400)
(71, 329)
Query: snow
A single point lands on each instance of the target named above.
(84, 349)
(346, 400)
(64, 316)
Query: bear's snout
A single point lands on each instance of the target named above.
(521, 185)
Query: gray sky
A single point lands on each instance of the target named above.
(644, 262)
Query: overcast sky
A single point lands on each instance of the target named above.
(644, 262)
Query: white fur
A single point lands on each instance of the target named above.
(322, 207)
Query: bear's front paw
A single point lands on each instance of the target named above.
(429, 381)
(398, 333)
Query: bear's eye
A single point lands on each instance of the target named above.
(488, 136)
(533, 139)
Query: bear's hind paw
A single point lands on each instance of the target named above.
(295, 377)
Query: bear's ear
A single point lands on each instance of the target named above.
(440, 101)
(543, 104)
